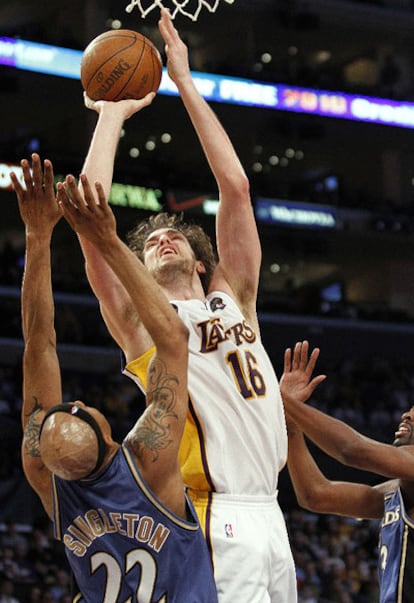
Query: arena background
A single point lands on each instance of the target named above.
(333, 197)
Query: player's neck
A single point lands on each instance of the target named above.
(180, 291)
(180, 284)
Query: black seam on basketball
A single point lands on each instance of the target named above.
(119, 94)
(153, 69)
(113, 55)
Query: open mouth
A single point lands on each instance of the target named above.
(168, 251)
(403, 430)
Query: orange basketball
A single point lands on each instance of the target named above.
(120, 64)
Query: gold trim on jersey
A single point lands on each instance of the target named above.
(402, 567)
(56, 509)
(139, 366)
(202, 504)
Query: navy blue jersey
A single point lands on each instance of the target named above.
(396, 552)
(124, 545)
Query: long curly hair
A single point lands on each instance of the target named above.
(199, 241)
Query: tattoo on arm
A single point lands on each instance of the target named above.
(31, 434)
(153, 430)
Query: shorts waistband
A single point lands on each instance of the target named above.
(223, 498)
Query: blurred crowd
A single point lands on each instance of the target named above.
(335, 561)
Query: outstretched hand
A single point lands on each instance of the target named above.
(37, 200)
(126, 108)
(296, 382)
(88, 216)
(175, 49)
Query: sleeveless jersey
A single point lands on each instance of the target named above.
(235, 439)
(123, 544)
(396, 552)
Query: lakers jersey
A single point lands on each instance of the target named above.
(124, 545)
(235, 438)
(396, 552)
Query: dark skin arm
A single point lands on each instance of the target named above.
(335, 437)
(318, 494)
(41, 373)
(313, 490)
(156, 437)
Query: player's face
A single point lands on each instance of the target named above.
(405, 431)
(166, 246)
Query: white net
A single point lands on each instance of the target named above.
(188, 8)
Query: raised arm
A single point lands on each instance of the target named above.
(156, 437)
(320, 495)
(237, 239)
(41, 373)
(335, 437)
(119, 315)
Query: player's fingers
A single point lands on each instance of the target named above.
(287, 360)
(17, 187)
(48, 177)
(62, 194)
(67, 207)
(27, 174)
(72, 189)
(64, 201)
(316, 381)
(166, 26)
(103, 203)
(312, 361)
(37, 174)
(148, 98)
(304, 349)
(89, 200)
(89, 103)
(296, 355)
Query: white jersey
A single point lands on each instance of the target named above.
(235, 439)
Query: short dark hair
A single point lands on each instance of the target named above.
(199, 240)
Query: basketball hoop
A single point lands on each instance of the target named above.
(188, 8)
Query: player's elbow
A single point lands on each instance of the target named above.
(352, 453)
(313, 499)
(178, 337)
(237, 185)
(40, 343)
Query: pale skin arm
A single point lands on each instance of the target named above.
(119, 314)
(335, 437)
(237, 238)
(167, 402)
(41, 373)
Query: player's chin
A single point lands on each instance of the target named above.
(401, 441)
(169, 258)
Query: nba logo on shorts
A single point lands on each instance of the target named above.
(228, 529)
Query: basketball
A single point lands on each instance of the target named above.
(120, 64)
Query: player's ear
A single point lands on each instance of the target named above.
(201, 269)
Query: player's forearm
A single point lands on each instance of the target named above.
(99, 162)
(99, 166)
(334, 437)
(309, 484)
(37, 304)
(214, 140)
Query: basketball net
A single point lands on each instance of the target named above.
(188, 8)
